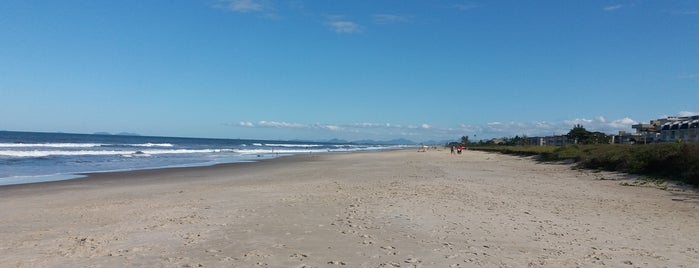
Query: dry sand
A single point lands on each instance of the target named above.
(388, 209)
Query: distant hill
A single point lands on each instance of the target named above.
(433, 142)
(389, 142)
(117, 134)
(337, 141)
(127, 134)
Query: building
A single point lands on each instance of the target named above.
(645, 133)
(680, 129)
(558, 140)
(667, 129)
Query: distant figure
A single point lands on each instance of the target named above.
(461, 148)
(453, 148)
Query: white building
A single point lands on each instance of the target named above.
(680, 129)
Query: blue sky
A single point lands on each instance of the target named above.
(419, 70)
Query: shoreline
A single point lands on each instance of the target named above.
(367, 209)
(86, 176)
(29, 157)
(152, 175)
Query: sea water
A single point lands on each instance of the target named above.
(27, 157)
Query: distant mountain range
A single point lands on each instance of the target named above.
(371, 142)
(388, 142)
(117, 134)
(367, 141)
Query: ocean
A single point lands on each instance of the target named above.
(28, 157)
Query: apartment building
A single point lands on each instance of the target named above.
(680, 129)
(669, 129)
(558, 140)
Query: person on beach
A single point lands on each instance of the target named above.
(453, 147)
(461, 148)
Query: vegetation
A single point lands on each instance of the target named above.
(464, 142)
(581, 136)
(525, 150)
(674, 161)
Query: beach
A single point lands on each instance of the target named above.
(367, 209)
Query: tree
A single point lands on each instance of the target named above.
(452, 144)
(464, 141)
(579, 134)
(598, 138)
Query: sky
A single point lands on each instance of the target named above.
(317, 70)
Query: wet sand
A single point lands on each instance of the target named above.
(387, 209)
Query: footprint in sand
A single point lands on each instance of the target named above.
(412, 260)
(298, 256)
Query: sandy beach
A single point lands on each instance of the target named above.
(386, 209)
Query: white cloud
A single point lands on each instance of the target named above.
(389, 18)
(367, 130)
(688, 113)
(602, 125)
(331, 127)
(688, 76)
(365, 124)
(277, 124)
(577, 121)
(622, 123)
(376, 125)
(341, 25)
(412, 127)
(687, 11)
(344, 27)
(612, 8)
(280, 124)
(544, 128)
(243, 6)
(466, 6)
(425, 131)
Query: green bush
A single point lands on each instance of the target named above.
(677, 161)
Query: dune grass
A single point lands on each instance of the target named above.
(674, 161)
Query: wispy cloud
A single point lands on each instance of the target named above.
(688, 113)
(246, 124)
(263, 8)
(466, 6)
(687, 76)
(345, 26)
(389, 18)
(341, 25)
(603, 125)
(276, 124)
(685, 11)
(243, 6)
(287, 125)
(357, 130)
(370, 125)
(425, 131)
(331, 127)
(612, 8)
(544, 128)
